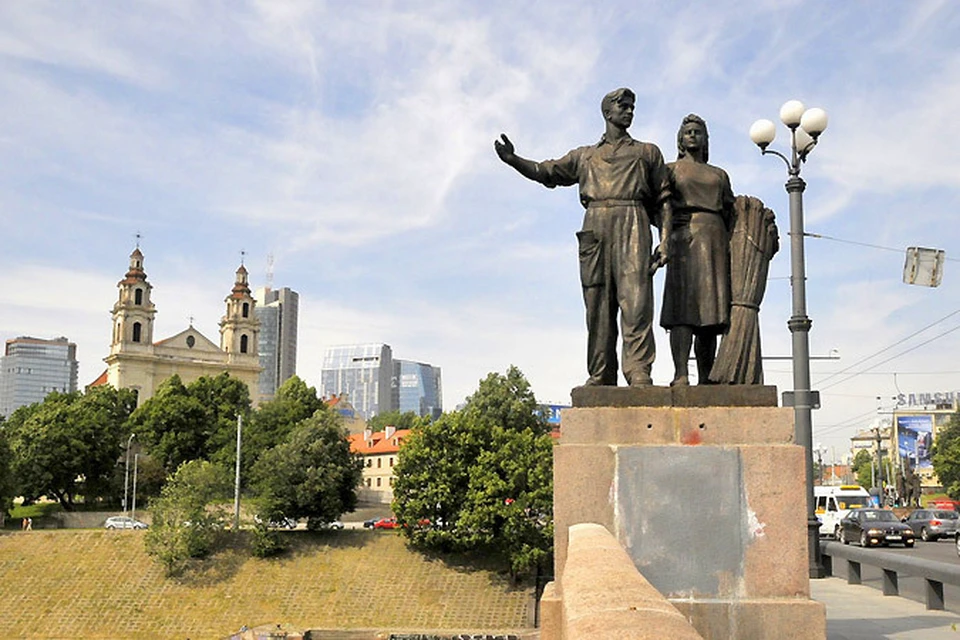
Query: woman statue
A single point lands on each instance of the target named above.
(696, 297)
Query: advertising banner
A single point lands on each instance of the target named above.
(915, 439)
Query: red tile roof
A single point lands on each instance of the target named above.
(377, 443)
(101, 380)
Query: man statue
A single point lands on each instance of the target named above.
(624, 189)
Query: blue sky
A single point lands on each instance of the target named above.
(354, 143)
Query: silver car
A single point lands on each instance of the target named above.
(932, 524)
(123, 522)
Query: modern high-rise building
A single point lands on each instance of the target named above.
(418, 388)
(31, 368)
(364, 372)
(277, 310)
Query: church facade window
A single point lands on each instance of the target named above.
(137, 328)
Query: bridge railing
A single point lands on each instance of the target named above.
(934, 574)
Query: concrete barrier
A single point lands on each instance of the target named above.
(602, 596)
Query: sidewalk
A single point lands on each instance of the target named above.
(858, 612)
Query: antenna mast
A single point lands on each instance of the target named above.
(270, 271)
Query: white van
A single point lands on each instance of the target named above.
(833, 503)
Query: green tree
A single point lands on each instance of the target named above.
(192, 422)
(188, 517)
(863, 468)
(224, 398)
(946, 457)
(313, 474)
(272, 422)
(507, 401)
(407, 420)
(68, 445)
(6, 477)
(482, 476)
(509, 504)
(172, 425)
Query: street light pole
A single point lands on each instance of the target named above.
(136, 457)
(236, 487)
(126, 473)
(805, 126)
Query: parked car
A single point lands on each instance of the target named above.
(123, 522)
(932, 524)
(368, 524)
(385, 523)
(875, 527)
(326, 525)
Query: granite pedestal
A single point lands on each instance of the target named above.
(704, 488)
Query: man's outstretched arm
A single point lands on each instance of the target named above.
(526, 168)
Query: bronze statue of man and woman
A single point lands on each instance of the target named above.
(626, 189)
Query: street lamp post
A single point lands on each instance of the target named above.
(136, 457)
(126, 473)
(805, 127)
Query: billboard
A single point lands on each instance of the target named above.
(552, 413)
(915, 439)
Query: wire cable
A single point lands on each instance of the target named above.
(887, 348)
(937, 337)
(820, 236)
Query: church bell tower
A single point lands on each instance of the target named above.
(240, 327)
(133, 313)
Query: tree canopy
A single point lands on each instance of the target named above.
(313, 474)
(68, 445)
(946, 457)
(482, 476)
(6, 475)
(195, 422)
(272, 422)
(862, 467)
(406, 420)
(189, 515)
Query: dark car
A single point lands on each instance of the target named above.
(875, 527)
(368, 524)
(932, 524)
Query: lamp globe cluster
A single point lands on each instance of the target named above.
(806, 124)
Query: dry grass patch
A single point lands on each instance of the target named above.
(101, 584)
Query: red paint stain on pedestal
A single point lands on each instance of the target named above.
(691, 437)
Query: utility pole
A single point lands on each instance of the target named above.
(879, 482)
(126, 474)
(136, 458)
(236, 489)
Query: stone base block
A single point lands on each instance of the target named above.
(780, 618)
(551, 613)
(714, 395)
(708, 502)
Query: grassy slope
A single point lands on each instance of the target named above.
(101, 584)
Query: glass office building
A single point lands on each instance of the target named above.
(32, 368)
(364, 372)
(277, 311)
(418, 388)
